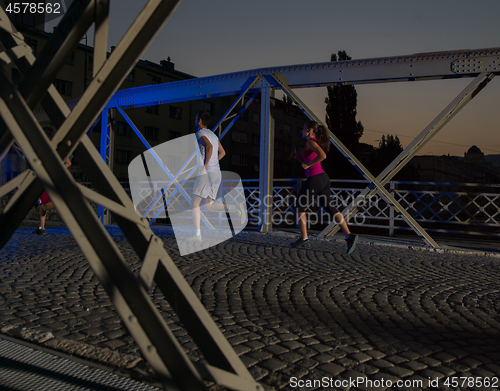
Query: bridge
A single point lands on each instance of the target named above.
(129, 291)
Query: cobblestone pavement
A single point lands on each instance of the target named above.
(301, 319)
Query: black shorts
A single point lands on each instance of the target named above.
(316, 188)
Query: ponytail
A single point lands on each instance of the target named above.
(323, 139)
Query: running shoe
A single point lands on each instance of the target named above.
(351, 241)
(39, 231)
(301, 242)
(242, 210)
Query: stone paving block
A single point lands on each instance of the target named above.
(429, 361)
(324, 358)
(260, 355)
(292, 344)
(381, 363)
(360, 357)
(432, 373)
(255, 345)
(307, 363)
(399, 371)
(273, 364)
(290, 357)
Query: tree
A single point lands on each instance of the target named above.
(341, 120)
(389, 148)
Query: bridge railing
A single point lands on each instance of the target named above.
(440, 207)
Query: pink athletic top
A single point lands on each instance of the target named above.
(309, 156)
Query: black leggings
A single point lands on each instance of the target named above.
(316, 187)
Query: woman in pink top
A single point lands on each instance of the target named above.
(317, 185)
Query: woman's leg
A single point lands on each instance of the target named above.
(303, 200)
(327, 202)
(303, 224)
(43, 212)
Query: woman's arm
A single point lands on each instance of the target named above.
(295, 155)
(314, 146)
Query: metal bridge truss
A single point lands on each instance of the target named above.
(481, 65)
(129, 293)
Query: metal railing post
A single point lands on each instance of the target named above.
(391, 212)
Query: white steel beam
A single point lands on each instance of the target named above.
(266, 162)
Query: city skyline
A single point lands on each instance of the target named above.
(205, 40)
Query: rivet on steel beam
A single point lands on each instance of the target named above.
(151, 349)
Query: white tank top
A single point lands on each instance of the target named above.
(213, 163)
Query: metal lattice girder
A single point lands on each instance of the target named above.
(417, 67)
(127, 292)
(416, 145)
(173, 178)
(357, 164)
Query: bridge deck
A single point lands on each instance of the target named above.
(387, 311)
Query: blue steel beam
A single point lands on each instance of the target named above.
(417, 67)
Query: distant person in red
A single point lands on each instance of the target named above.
(44, 202)
(317, 185)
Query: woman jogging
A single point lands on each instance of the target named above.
(317, 185)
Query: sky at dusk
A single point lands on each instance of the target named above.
(206, 38)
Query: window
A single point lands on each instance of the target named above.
(71, 59)
(239, 160)
(123, 156)
(152, 79)
(278, 124)
(153, 109)
(239, 137)
(175, 112)
(256, 139)
(256, 118)
(131, 76)
(296, 112)
(63, 86)
(278, 145)
(287, 128)
(123, 129)
(172, 134)
(151, 133)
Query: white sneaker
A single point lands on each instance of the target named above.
(194, 238)
(241, 211)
